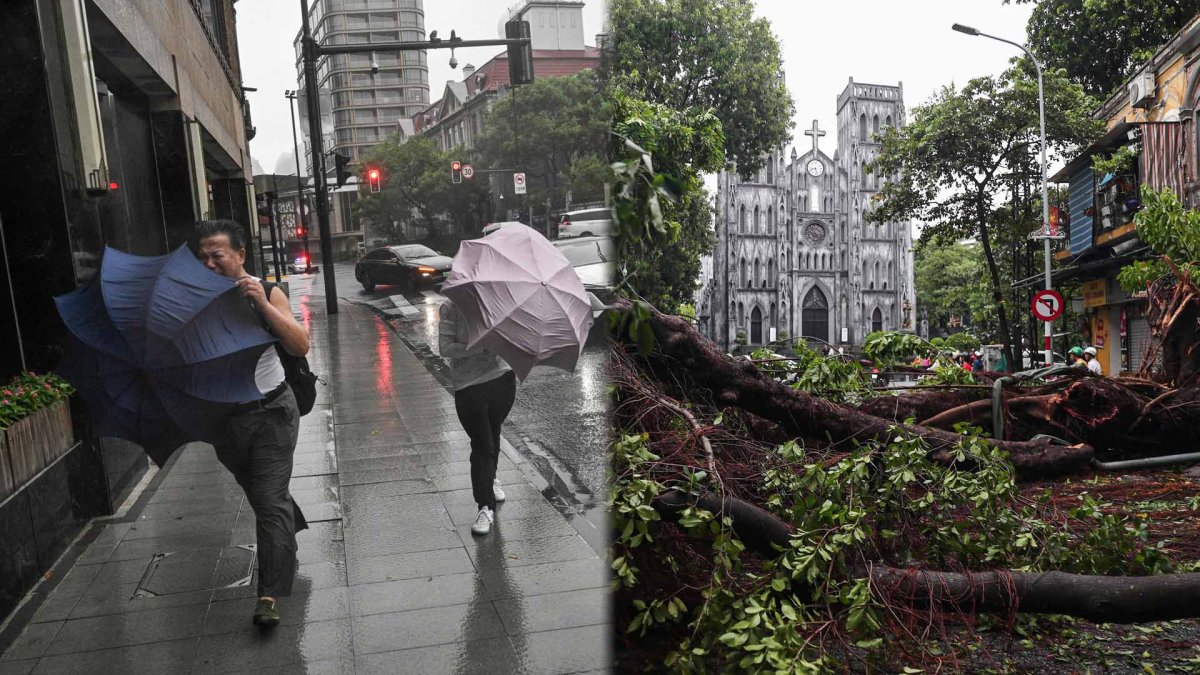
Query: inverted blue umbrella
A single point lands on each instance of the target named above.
(161, 349)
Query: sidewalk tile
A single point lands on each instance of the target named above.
(174, 510)
(213, 523)
(489, 552)
(273, 649)
(123, 630)
(302, 607)
(572, 650)
(516, 530)
(463, 481)
(413, 539)
(105, 600)
(464, 514)
(558, 577)
(409, 565)
(143, 548)
(419, 593)
(62, 600)
(477, 657)
(569, 609)
(162, 657)
(425, 627)
(17, 667)
(33, 642)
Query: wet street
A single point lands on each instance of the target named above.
(559, 420)
(390, 577)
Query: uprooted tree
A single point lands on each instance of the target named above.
(762, 526)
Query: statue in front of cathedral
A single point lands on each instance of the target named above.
(907, 314)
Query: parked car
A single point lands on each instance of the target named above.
(492, 227)
(592, 258)
(408, 266)
(585, 223)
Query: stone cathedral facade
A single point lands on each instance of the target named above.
(794, 254)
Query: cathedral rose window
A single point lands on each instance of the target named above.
(814, 232)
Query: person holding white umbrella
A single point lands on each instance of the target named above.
(484, 390)
(515, 302)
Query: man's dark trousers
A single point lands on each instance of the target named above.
(481, 410)
(258, 451)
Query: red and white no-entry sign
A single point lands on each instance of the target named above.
(1047, 305)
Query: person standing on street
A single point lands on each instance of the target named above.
(1093, 363)
(260, 437)
(484, 390)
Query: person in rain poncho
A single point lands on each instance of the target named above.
(484, 390)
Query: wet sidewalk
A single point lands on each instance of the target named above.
(391, 580)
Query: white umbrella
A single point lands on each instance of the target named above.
(521, 299)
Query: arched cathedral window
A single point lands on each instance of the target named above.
(814, 196)
(875, 124)
(742, 219)
(862, 128)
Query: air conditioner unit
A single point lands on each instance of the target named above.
(1141, 90)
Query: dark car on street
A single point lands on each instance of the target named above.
(409, 266)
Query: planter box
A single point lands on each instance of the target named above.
(7, 484)
(36, 441)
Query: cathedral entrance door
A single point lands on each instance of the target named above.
(815, 315)
(756, 327)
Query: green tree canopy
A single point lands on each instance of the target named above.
(947, 278)
(416, 190)
(1102, 43)
(557, 137)
(706, 55)
(953, 163)
(660, 241)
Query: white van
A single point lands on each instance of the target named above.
(585, 223)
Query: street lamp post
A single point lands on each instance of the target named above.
(291, 97)
(1044, 234)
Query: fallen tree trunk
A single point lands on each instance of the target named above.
(682, 353)
(1098, 599)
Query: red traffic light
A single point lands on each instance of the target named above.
(455, 166)
(300, 232)
(373, 175)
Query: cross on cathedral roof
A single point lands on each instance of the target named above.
(816, 134)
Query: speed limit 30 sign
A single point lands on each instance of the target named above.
(1047, 305)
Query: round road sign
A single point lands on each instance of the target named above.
(468, 171)
(1047, 305)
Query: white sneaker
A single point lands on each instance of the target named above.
(483, 524)
(496, 491)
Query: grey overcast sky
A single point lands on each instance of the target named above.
(884, 42)
(267, 28)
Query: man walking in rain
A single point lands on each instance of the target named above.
(260, 437)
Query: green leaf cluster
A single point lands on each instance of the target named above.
(416, 190)
(557, 136)
(662, 221)
(1102, 43)
(1171, 230)
(696, 56)
(957, 160)
(887, 503)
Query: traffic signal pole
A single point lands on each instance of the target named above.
(312, 51)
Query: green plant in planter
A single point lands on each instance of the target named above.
(1116, 163)
(28, 393)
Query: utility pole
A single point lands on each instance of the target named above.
(291, 97)
(313, 51)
